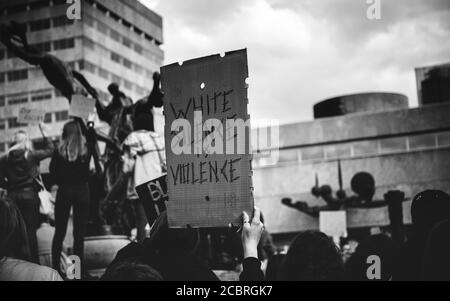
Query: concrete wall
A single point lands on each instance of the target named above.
(409, 172)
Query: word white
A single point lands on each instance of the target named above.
(374, 270)
(74, 10)
(374, 10)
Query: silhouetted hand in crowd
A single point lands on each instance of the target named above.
(251, 233)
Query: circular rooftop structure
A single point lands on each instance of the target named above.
(360, 103)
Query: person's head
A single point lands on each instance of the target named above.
(436, 260)
(363, 184)
(376, 245)
(113, 89)
(312, 256)
(73, 143)
(21, 141)
(143, 120)
(429, 208)
(13, 234)
(131, 269)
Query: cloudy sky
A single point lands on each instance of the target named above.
(302, 51)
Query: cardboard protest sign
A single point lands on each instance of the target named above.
(333, 223)
(153, 196)
(207, 135)
(81, 106)
(30, 116)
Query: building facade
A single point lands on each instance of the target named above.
(114, 41)
(404, 149)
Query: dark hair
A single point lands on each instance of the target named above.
(312, 256)
(380, 245)
(131, 269)
(13, 234)
(436, 261)
(428, 208)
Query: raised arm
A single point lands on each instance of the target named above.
(80, 77)
(251, 234)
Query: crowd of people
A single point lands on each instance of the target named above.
(169, 254)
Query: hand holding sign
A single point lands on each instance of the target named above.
(251, 233)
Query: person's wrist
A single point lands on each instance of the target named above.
(250, 250)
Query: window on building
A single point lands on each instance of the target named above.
(422, 141)
(116, 57)
(148, 37)
(127, 42)
(88, 43)
(444, 139)
(39, 25)
(42, 96)
(312, 153)
(43, 47)
(365, 148)
(2, 101)
(139, 90)
(17, 75)
(393, 145)
(13, 123)
(2, 77)
(48, 118)
(64, 44)
(116, 79)
(127, 84)
(127, 63)
(138, 48)
(88, 66)
(102, 28)
(103, 73)
(2, 54)
(2, 124)
(88, 20)
(138, 31)
(61, 116)
(338, 151)
(2, 148)
(61, 21)
(138, 69)
(114, 35)
(17, 100)
(288, 155)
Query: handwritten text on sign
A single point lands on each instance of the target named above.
(208, 130)
(81, 106)
(31, 116)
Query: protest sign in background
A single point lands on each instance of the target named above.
(30, 116)
(153, 196)
(333, 223)
(210, 186)
(81, 106)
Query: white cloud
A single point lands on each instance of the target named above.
(303, 51)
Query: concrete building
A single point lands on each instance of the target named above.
(115, 41)
(404, 149)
